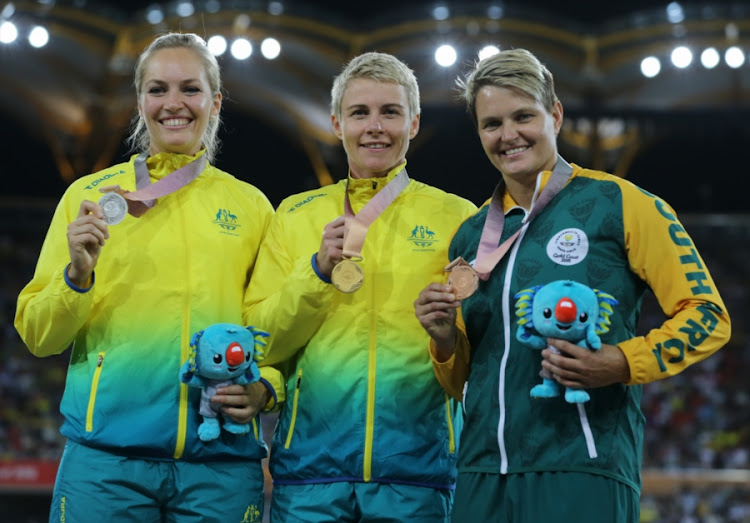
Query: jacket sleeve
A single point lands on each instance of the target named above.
(285, 296)
(453, 373)
(50, 312)
(663, 255)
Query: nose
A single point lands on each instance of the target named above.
(374, 125)
(235, 355)
(565, 311)
(173, 100)
(509, 132)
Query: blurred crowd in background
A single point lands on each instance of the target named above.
(698, 420)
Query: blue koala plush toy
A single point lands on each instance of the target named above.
(220, 355)
(566, 310)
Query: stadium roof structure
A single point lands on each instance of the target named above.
(67, 106)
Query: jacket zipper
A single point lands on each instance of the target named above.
(294, 411)
(92, 393)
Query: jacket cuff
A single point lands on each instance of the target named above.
(76, 287)
(315, 268)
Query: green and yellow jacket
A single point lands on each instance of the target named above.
(362, 402)
(177, 269)
(607, 233)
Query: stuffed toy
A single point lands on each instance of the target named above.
(222, 354)
(566, 310)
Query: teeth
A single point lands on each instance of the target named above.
(376, 145)
(176, 122)
(516, 150)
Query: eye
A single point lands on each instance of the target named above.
(156, 90)
(491, 124)
(547, 313)
(525, 117)
(191, 89)
(247, 357)
(583, 317)
(218, 358)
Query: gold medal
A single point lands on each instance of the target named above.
(347, 276)
(463, 278)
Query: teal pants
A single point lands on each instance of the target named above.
(93, 486)
(546, 497)
(344, 502)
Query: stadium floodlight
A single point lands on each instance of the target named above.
(650, 66)
(487, 51)
(270, 48)
(682, 57)
(217, 44)
(710, 58)
(734, 57)
(241, 49)
(8, 32)
(38, 37)
(445, 55)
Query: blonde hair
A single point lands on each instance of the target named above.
(380, 67)
(139, 139)
(515, 68)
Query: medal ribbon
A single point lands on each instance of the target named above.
(488, 253)
(144, 198)
(355, 226)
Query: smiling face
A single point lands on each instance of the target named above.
(375, 126)
(176, 101)
(518, 134)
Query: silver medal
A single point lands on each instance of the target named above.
(114, 207)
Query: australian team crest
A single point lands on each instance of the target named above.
(422, 236)
(226, 220)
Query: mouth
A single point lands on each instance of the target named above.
(375, 146)
(232, 369)
(175, 122)
(563, 327)
(515, 150)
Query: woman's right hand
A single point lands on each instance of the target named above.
(331, 246)
(86, 236)
(436, 309)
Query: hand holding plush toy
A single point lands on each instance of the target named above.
(566, 310)
(222, 354)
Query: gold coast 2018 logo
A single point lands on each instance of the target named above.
(568, 247)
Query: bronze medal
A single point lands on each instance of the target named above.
(463, 278)
(347, 276)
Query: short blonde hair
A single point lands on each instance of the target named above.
(380, 67)
(516, 68)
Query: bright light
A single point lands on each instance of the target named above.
(185, 9)
(8, 32)
(445, 55)
(217, 44)
(155, 15)
(242, 48)
(487, 51)
(212, 6)
(710, 58)
(441, 12)
(734, 57)
(270, 48)
(8, 10)
(682, 57)
(276, 8)
(495, 12)
(675, 14)
(38, 37)
(650, 66)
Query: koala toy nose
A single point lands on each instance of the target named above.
(235, 355)
(565, 311)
